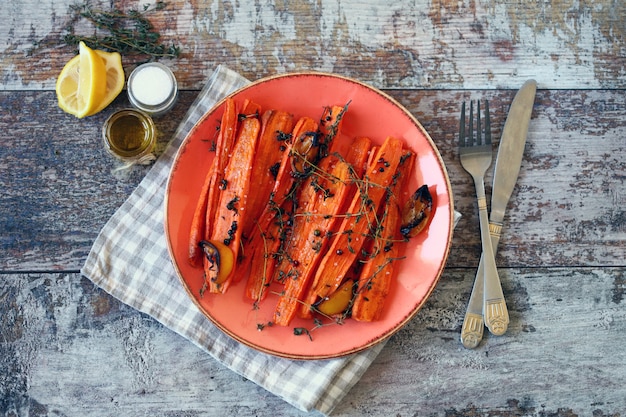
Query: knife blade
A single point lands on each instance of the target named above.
(511, 150)
(508, 162)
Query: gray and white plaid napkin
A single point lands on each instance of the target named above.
(130, 260)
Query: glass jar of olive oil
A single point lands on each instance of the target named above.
(130, 135)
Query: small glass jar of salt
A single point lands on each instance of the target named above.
(152, 88)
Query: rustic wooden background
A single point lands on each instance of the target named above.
(67, 348)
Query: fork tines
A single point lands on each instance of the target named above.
(468, 140)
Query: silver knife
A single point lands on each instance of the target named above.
(487, 304)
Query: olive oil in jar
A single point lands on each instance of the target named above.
(129, 135)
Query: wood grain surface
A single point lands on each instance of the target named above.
(401, 44)
(69, 349)
(59, 189)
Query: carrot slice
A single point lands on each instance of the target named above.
(272, 215)
(250, 109)
(275, 129)
(354, 229)
(378, 271)
(198, 223)
(209, 195)
(233, 198)
(225, 143)
(262, 259)
(323, 198)
(330, 124)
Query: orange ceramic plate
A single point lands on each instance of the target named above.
(371, 113)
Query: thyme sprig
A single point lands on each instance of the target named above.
(129, 33)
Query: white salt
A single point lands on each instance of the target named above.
(152, 86)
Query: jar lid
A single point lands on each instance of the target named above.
(152, 88)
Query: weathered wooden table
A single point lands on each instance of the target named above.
(68, 348)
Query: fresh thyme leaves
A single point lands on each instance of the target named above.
(129, 33)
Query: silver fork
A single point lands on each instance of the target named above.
(476, 157)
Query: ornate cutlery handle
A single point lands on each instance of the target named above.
(494, 308)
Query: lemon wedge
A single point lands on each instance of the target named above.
(90, 81)
(115, 78)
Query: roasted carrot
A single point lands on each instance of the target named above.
(323, 199)
(360, 160)
(331, 122)
(198, 223)
(351, 235)
(250, 109)
(272, 214)
(262, 259)
(228, 130)
(233, 198)
(276, 127)
(379, 266)
(224, 145)
(209, 195)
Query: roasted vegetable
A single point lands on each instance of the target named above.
(353, 230)
(322, 200)
(337, 303)
(377, 272)
(416, 212)
(325, 226)
(220, 258)
(230, 213)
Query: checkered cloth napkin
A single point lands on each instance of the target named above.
(130, 260)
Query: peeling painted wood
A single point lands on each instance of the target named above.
(57, 177)
(68, 348)
(404, 44)
(563, 355)
(566, 210)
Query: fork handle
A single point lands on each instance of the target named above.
(473, 323)
(494, 303)
(495, 311)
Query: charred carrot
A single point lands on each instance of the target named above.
(262, 259)
(351, 235)
(209, 195)
(224, 145)
(272, 215)
(233, 198)
(378, 270)
(331, 122)
(276, 127)
(322, 200)
(198, 223)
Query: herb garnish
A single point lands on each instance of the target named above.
(129, 33)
